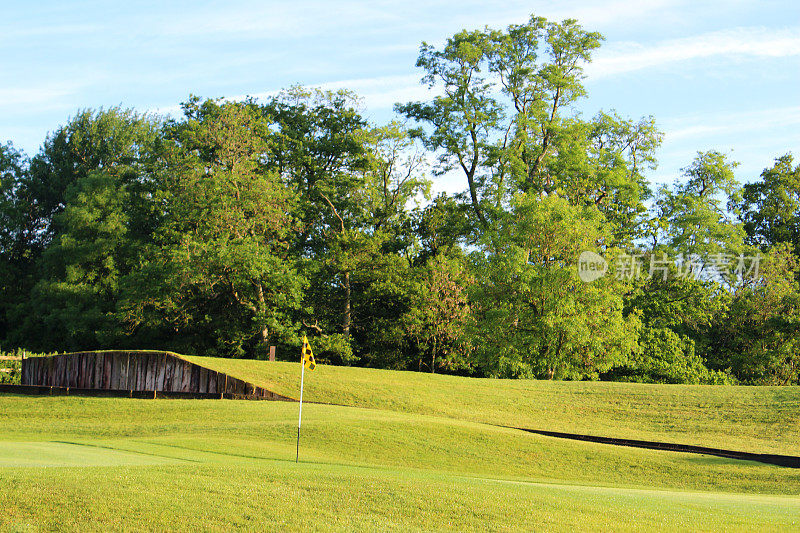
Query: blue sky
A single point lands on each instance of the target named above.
(716, 75)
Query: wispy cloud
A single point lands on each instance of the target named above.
(753, 138)
(50, 96)
(10, 33)
(383, 92)
(620, 58)
(379, 93)
(710, 126)
(605, 14)
(285, 20)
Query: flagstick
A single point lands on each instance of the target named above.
(300, 415)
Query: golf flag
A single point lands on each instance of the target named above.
(306, 361)
(308, 355)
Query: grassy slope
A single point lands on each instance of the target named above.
(755, 419)
(208, 464)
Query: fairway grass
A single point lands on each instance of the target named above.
(750, 419)
(324, 497)
(70, 463)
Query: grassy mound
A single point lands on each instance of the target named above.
(753, 419)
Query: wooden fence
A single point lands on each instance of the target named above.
(136, 371)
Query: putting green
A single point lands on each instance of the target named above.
(50, 454)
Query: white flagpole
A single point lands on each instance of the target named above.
(300, 415)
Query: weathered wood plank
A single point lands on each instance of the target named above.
(202, 381)
(235, 386)
(212, 381)
(85, 376)
(107, 367)
(55, 372)
(141, 371)
(97, 374)
(186, 382)
(147, 367)
(169, 374)
(222, 383)
(194, 384)
(118, 373)
(144, 365)
(63, 369)
(152, 371)
(77, 370)
(177, 380)
(161, 369)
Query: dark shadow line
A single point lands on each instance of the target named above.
(124, 451)
(789, 461)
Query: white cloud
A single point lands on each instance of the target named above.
(285, 20)
(380, 93)
(47, 97)
(619, 58)
(614, 13)
(61, 30)
(384, 92)
(753, 138)
(720, 124)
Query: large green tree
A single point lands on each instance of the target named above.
(17, 234)
(535, 316)
(219, 273)
(88, 192)
(439, 315)
(699, 215)
(758, 339)
(354, 183)
(770, 207)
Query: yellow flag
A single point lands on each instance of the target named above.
(308, 355)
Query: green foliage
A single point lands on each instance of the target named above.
(759, 339)
(502, 120)
(10, 370)
(221, 266)
(115, 141)
(85, 197)
(770, 208)
(699, 216)
(84, 264)
(11, 365)
(439, 314)
(666, 357)
(536, 318)
(17, 230)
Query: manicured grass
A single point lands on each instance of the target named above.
(324, 497)
(753, 419)
(106, 463)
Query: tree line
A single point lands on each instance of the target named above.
(245, 224)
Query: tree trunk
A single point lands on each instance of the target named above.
(346, 314)
(433, 357)
(262, 306)
(265, 339)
